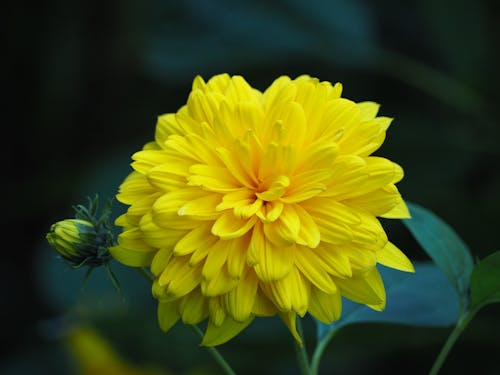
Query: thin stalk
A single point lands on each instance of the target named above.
(146, 274)
(211, 350)
(301, 352)
(318, 352)
(215, 354)
(459, 328)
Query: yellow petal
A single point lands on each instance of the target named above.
(309, 233)
(140, 207)
(301, 292)
(132, 257)
(319, 154)
(165, 125)
(277, 186)
(221, 283)
(377, 173)
(160, 261)
(341, 115)
(391, 256)
(217, 314)
(165, 210)
(212, 178)
(333, 232)
(237, 256)
(324, 306)
(202, 106)
(132, 250)
(216, 335)
(262, 305)
(216, 258)
(310, 267)
(234, 167)
(159, 237)
(284, 231)
(133, 188)
(239, 90)
(290, 320)
(165, 178)
(218, 83)
(378, 202)
(280, 292)
(333, 260)
(312, 98)
(194, 239)
(167, 315)
(330, 209)
(246, 211)
(236, 198)
(367, 289)
(307, 185)
(147, 159)
(270, 211)
(179, 277)
(280, 90)
(294, 122)
(271, 262)
(228, 226)
(368, 110)
(360, 258)
(365, 139)
(199, 254)
(193, 308)
(400, 211)
(240, 301)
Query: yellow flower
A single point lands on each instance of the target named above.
(254, 203)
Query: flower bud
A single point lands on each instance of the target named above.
(78, 242)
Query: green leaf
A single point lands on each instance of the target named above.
(444, 246)
(425, 298)
(485, 281)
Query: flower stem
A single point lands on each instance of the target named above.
(459, 328)
(211, 350)
(318, 352)
(146, 274)
(301, 352)
(215, 354)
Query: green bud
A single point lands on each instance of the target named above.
(78, 242)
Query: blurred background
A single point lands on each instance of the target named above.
(85, 81)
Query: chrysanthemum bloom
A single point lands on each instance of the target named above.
(254, 203)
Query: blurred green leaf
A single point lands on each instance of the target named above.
(444, 246)
(485, 281)
(463, 48)
(425, 298)
(249, 33)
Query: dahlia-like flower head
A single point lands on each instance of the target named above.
(254, 203)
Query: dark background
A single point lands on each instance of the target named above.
(85, 81)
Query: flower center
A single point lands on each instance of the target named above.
(272, 188)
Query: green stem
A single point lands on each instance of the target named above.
(459, 328)
(146, 274)
(211, 350)
(301, 352)
(114, 279)
(318, 352)
(215, 354)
